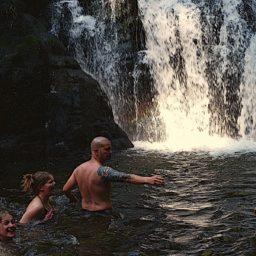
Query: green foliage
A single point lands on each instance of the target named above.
(35, 7)
(55, 46)
(9, 10)
(7, 42)
(29, 46)
(8, 7)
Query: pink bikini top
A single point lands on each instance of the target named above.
(49, 215)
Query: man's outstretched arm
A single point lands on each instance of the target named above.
(152, 180)
(110, 174)
(68, 186)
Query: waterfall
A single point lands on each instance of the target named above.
(177, 60)
(248, 93)
(188, 81)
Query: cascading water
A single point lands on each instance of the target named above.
(177, 62)
(248, 93)
(196, 59)
(92, 39)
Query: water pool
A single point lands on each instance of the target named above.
(205, 208)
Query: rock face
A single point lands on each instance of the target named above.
(111, 36)
(79, 110)
(48, 105)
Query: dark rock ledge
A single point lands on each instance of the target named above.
(48, 105)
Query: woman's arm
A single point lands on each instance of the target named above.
(31, 213)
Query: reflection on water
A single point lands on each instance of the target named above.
(205, 207)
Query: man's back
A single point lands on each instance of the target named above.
(94, 190)
(94, 179)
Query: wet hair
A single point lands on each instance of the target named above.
(34, 182)
(3, 213)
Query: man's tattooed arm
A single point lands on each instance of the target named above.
(109, 174)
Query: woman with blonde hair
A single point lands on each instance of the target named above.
(7, 226)
(40, 208)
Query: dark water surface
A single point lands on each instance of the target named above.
(205, 208)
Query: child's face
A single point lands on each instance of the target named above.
(7, 227)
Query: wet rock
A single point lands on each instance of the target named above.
(48, 105)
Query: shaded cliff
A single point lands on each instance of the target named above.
(48, 105)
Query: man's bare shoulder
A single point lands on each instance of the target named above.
(89, 165)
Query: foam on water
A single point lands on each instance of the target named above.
(214, 145)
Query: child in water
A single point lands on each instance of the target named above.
(7, 226)
(40, 208)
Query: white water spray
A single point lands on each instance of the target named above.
(248, 94)
(93, 44)
(174, 29)
(178, 58)
(174, 42)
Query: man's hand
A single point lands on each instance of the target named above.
(155, 180)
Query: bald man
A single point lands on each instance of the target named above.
(94, 180)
